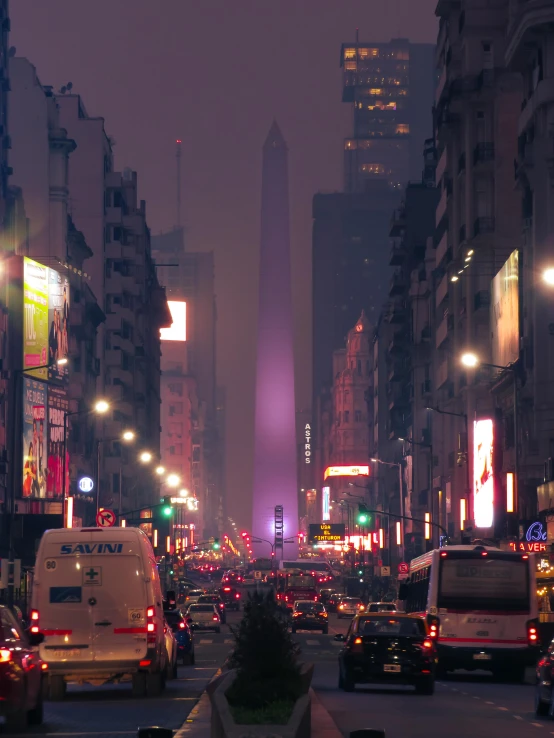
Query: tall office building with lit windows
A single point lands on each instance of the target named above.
(390, 86)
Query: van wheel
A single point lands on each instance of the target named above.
(154, 684)
(36, 715)
(16, 721)
(139, 684)
(56, 688)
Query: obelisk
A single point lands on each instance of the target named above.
(275, 479)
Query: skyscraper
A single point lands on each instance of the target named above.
(275, 438)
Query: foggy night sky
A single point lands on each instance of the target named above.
(215, 73)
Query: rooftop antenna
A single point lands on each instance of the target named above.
(178, 163)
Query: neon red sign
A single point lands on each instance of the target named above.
(528, 547)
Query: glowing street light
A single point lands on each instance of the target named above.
(184, 492)
(129, 435)
(173, 480)
(548, 276)
(160, 470)
(101, 407)
(63, 361)
(145, 457)
(470, 360)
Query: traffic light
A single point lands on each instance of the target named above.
(167, 509)
(216, 545)
(363, 515)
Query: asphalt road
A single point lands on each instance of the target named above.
(464, 706)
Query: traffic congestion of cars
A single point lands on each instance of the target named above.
(78, 631)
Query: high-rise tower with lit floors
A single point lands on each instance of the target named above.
(274, 443)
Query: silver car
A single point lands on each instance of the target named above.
(349, 606)
(204, 617)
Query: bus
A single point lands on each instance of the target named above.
(480, 604)
(321, 569)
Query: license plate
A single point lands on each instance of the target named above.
(67, 653)
(482, 657)
(392, 667)
(311, 616)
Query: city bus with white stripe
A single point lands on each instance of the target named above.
(480, 604)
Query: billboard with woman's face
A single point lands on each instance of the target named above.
(58, 325)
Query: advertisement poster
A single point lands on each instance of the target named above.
(58, 406)
(58, 324)
(504, 315)
(483, 473)
(35, 467)
(35, 317)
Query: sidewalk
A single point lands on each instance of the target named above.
(198, 723)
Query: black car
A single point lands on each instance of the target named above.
(333, 601)
(387, 649)
(231, 597)
(214, 599)
(308, 615)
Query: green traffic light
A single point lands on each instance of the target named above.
(363, 518)
(216, 545)
(167, 511)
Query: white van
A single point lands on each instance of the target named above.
(97, 600)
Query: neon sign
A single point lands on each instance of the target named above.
(326, 503)
(308, 443)
(528, 547)
(535, 532)
(346, 471)
(483, 472)
(535, 539)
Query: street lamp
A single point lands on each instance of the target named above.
(398, 465)
(145, 457)
(101, 407)
(431, 457)
(548, 276)
(173, 480)
(160, 470)
(128, 435)
(183, 493)
(470, 360)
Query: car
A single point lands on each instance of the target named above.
(97, 599)
(214, 599)
(333, 601)
(384, 648)
(192, 596)
(309, 615)
(20, 698)
(171, 649)
(230, 596)
(183, 635)
(349, 606)
(381, 607)
(204, 617)
(325, 594)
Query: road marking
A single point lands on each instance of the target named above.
(478, 698)
(489, 703)
(182, 699)
(538, 725)
(203, 668)
(312, 643)
(503, 708)
(227, 641)
(518, 717)
(207, 640)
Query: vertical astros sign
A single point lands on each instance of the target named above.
(308, 443)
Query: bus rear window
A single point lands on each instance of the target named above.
(481, 584)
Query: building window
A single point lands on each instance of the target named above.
(176, 450)
(402, 129)
(350, 53)
(358, 416)
(347, 416)
(176, 429)
(176, 388)
(359, 367)
(176, 409)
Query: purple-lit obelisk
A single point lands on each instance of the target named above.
(275, 478)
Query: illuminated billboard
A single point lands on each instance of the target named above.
(178, 329)
(326, 503)
(483, 473)
(58, 407)
(504, 313)
(326, 532)
(35, 464)
(35, 317)
(346, 471)
(58, 322)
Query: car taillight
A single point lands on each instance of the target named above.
(182, 626)
(150, 626)
(215, 618)
(341, 607)
(35, 628)
(237, 596)
(427, 643)
(5, 656)
(358, 645)
(226, 589)
(532, 632)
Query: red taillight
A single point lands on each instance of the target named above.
(427, 643)
(434, 624)
(35, 628)
(150, 625)
(358, 645)
(226, 589)
(532, 632)
(145, 662)
(182, 626)
(5, 656)
(237, 596)
(44, 666)
(215, 618)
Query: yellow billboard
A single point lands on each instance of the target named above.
(504, 313)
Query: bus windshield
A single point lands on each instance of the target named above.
(484, 584)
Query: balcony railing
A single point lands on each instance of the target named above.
(484, 151)
(483, 225)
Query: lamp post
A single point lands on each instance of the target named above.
(472, 361)
(127, 436)
(398, 465)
